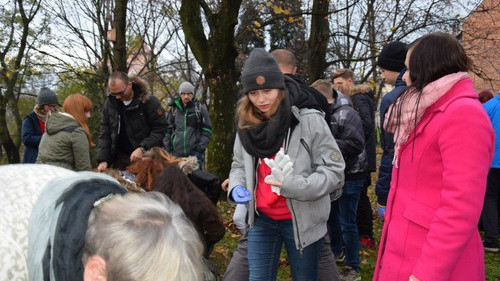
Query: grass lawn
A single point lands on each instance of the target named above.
(224, 249)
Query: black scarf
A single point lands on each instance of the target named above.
(265, 139)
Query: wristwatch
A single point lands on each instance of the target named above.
(143, 150)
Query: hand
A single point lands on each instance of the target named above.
(224, 185)
(240, 194)
(380, 210)
(281, 167)
(102, 166)
(136, 155)
(413, 278)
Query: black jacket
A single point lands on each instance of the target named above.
(362, 101)
(145, 121)
(322, 102)
(347, 129)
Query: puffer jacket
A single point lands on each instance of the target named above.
(347, 130)
(189, 129)
(318, 170)
(362, 101)
(387, 143)
(64, 143)
(145, 121)
(31, 134)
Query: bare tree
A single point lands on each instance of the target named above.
(19, 31)
(216, 54)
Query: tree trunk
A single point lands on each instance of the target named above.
(6, 140)
(120, 47)
(318, 40)
(217, 56)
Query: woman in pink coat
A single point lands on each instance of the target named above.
(443, 150)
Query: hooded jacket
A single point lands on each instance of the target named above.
(144, 118)
(362, 101)
(189, 128)
(31, 134)
(347, 129)
(64, 143)
(387, 142)
(437, 190)
(318, 170)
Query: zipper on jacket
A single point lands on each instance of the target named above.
(296, 227)
(185, 130)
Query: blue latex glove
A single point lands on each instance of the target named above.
(240, 194)
(381, 210)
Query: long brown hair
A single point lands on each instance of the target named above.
(249, 115)
(150, 166)
(77, 105)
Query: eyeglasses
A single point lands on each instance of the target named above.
(122, 92)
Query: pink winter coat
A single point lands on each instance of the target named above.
(437, 193)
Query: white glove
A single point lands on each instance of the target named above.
(281, 167)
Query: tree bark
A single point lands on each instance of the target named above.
(216, 55)
(120, 47)
(318, 40)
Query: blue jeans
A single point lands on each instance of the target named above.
(343, 217)
(265, 240)
(201, 158)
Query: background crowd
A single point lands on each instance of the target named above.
(300, 173)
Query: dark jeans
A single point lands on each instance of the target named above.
(237, 270)
(365, 214)
(334, 229)
(201, 159)
(347, 206)
(265, 240)
(491, 212)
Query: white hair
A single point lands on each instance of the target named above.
(144, 237)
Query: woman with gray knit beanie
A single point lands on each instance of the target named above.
(285, 165)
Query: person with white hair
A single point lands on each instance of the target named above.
(56, 224)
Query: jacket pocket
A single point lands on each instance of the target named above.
(419, 213)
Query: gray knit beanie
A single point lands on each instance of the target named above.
(46, 96)
(261, 71)
(392, 57)
(186, 87)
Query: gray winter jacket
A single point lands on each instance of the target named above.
(318, 170)
(189, 129)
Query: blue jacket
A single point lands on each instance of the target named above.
(387, 143)
(492, 107)
(31, 134)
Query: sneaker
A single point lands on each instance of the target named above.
(491, 246)
(349, 274)
(340, 257)
(366, 242)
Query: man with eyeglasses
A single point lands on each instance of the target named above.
(189, 127)
(132, 122)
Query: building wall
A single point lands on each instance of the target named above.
(480, 39)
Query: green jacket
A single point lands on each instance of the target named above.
(64, 143)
